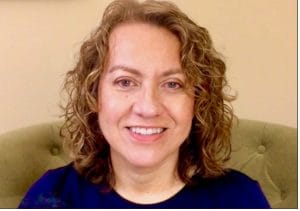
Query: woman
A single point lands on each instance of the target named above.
(147, 123)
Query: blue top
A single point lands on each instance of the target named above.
(65, 188)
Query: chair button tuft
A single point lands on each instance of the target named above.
(261, 149)
(54, 150)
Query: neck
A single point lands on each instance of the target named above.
(147, 184)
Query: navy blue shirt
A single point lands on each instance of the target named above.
(65, 188)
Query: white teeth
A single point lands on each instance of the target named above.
(146, 131)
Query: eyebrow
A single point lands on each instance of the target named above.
(137, 72)
(124, 68)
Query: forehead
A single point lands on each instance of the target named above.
(144, 46)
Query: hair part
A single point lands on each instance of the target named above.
(208, 145)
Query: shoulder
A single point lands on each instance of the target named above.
(230, 179)
(50, 190)
(236, 178)
(55, 176)
(234, 189)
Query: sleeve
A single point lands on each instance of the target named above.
(46, 192)
(239, 191)
(247, 193)
(256, 198)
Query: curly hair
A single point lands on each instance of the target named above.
(208, 146)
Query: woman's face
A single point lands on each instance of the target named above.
(145, 112)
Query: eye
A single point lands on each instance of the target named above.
(173, 85)
(125, 83)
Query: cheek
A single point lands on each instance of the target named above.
(111, 106)
(108, 116)
(184, 117)
(182, 109)
(107, 104)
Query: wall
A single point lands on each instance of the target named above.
(40, 39)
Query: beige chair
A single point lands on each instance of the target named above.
(266, 152)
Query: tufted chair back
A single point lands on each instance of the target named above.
(25, 154)
(266, 152)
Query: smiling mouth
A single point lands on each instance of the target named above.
(146, 131)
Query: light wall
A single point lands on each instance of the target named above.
(40, 39)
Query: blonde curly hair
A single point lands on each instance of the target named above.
(208, 146)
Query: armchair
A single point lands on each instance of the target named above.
(266, 152)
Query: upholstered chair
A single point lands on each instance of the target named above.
(264, 151)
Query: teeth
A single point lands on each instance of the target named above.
(146, 131)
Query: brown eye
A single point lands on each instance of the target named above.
(125, 83)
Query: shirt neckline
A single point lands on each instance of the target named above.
(169, 200)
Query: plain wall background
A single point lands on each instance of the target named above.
(40, 40)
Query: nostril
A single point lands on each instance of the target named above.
(148, 103)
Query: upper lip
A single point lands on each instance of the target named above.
(140, 126)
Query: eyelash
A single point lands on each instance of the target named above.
(126, 83)
(172, 83)
(129, 83)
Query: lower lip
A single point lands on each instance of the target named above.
(145, 138)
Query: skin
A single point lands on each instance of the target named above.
(143, 86)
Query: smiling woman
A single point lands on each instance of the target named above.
(136, 117)
(147, 122)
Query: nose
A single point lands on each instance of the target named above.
(148, 103)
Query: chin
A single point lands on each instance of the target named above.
(143, 162)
